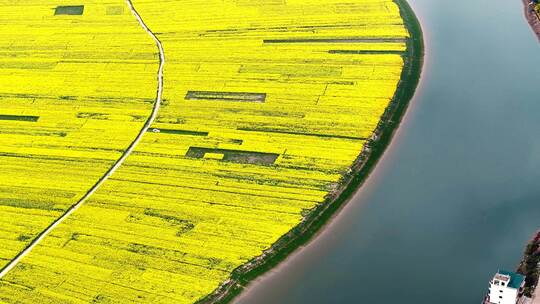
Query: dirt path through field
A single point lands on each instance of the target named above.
(116, 165)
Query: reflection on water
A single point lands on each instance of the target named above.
(457, 195)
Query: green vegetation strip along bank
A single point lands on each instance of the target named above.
(313, 222)
(530, 265)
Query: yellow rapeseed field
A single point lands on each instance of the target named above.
(267, 104)
(74, 91)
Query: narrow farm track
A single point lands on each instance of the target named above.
(116, 165)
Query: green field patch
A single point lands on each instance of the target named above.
(53, 158)
(178, 132)
(236, 156)
(115, 10)
(366, 52)
(66, 97)
(17, 190)
(92, 115)
(30, 132)
(26, 204)
(101, 299)
(166, 217)
(69, 10)
(336, 40)
(226, 96)
(141, 249)
(182, 224)
(139, 118)
(19, 118)
(24, 237)
(268, 130)
(21, 65)
(292, 70)
(169, 119)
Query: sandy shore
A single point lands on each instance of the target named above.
(532, 17)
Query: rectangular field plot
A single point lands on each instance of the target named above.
(69, 10)
(337, 40)
(366, 52)
(226, 96)
(19, 118)
(115, 10)
(179, 132)
(243, 157)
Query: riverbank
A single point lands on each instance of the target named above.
(532, 16)
(529, 266)
(373, 150)
(536, 296)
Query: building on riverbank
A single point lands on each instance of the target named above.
(521, 287)
(505, 288)
(530, 267)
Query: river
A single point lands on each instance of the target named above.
(457, 193)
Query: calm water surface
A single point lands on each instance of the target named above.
(457, 194)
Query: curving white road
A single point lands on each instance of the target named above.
(116, 165)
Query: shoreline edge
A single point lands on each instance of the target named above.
(350, 183)
(532, 17)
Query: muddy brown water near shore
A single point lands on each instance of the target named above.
(456, 194)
